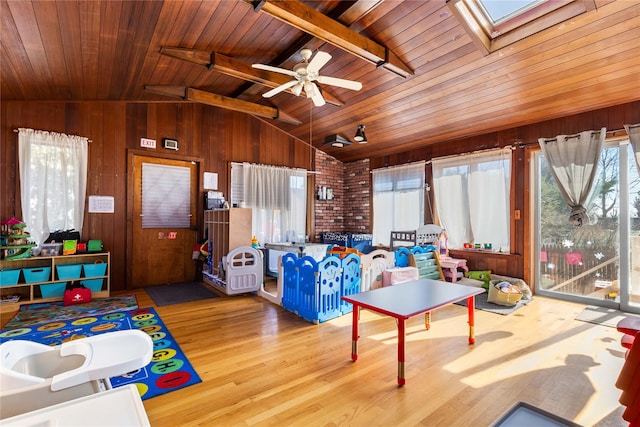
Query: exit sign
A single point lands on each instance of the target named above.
(147, 143)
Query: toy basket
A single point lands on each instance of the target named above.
(496, 296)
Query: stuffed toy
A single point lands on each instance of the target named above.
(484, 276)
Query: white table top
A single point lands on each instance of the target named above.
(120, 407)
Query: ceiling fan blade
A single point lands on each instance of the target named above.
(274, 69)
(317, 98)
(318, 61)
(279, 89)
(333, 81)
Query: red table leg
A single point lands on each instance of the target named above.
(354, 332)
(401, 341)
(471, 305)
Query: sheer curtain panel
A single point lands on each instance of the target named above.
(398, 200)
(573, 161)
(53, 181)
(472, 197)
(634, 138)
(278, 198)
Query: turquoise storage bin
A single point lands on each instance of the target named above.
(69, 271)
(36, 274)
(9, 277)
(53, 290)
(95, 270)
(94, 284)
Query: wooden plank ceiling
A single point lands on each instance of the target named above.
(436, 85)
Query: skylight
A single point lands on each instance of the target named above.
(499, 10)
(493, 24)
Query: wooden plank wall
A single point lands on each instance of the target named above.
(216, 136)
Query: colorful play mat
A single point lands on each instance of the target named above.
(168, 371)
(40, 313)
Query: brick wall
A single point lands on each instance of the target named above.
(349, 211)
(329, 214)
(357, 209)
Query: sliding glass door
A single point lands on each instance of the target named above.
(598, 263)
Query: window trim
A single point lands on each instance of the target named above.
(490, 38)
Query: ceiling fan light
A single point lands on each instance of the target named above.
(297, 89)
(360, 136)
(308, 89)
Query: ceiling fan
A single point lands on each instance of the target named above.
(306, 73)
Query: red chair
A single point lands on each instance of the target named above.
(629, 325)
(629, 379)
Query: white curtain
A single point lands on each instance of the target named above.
(472, 197)
(53, 181)
(573, 160)
(634, 138)
(278, 198)
(398, 200)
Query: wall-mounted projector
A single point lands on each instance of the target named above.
(336, 141)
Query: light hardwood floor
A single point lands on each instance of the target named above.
(264, 366)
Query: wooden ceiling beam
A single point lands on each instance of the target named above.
(309, 20)
(232, 67)
(213, 99)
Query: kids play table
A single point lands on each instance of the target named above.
(406, 300)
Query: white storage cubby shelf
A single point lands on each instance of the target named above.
(39, 279)
(232, 266)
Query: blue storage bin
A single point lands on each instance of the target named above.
(69, 271)
(94, 284)
(36, 274)
(10, 277)
(53, 290)
(340, 239)
(95, 270)
(361, 242)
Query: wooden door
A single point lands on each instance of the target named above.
(162, 255)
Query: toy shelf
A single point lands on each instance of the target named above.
(33, 291)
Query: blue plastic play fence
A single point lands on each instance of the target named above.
(313, 290)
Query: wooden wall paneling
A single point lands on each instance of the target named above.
(263, 144)
(97, 180)
(115, 184)
(238, 140)
(131, 123)
(151, 125)
(8, 153)
(214, 137)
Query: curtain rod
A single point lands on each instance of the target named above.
(16, 131)
(614, 131)
(417, 162)
(274, 166)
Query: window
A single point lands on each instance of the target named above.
(278, 198)
(494, 24)
(398, 200)
(598, 262)
(472, 197)
(53, 180)
(166, 196)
